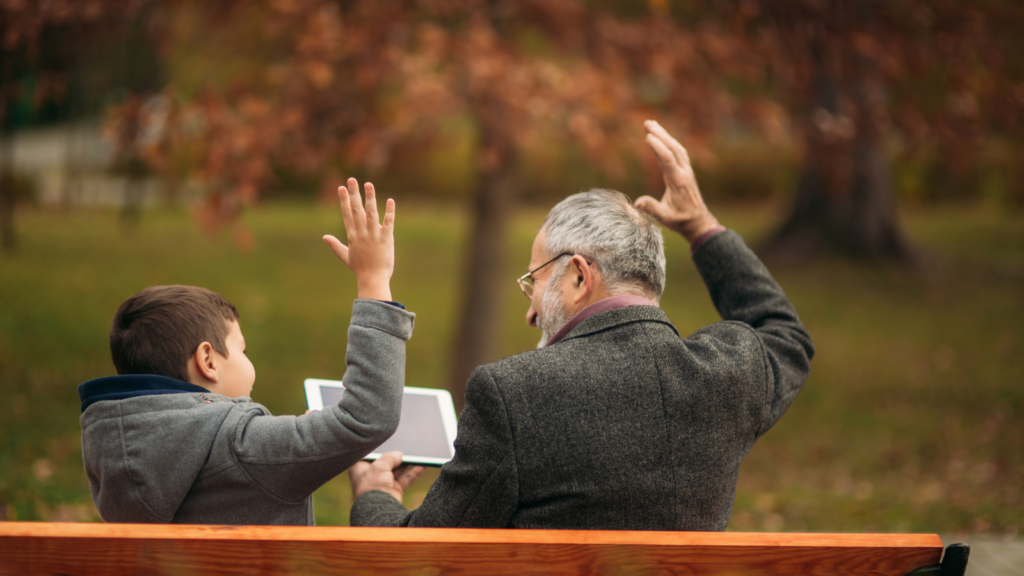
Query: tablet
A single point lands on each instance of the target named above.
(426, 432)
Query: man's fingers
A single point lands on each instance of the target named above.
(357, 472)
(372, 219)
(682, 158)
(390, 460)
(389, 216)
(408, 476)
(656, 130)
(652, 207)
(666, 159)
(674, 173)
(340, 249)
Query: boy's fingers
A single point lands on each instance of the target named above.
(355, 202)
(346, 208)
(389, 216)
(372, 219)
(340, 249)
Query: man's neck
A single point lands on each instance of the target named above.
(602, 305)
(592, 298)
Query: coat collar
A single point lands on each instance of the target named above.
(131, 386)
(596, 308)
(619, 317)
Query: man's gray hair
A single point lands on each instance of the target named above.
(626, 244)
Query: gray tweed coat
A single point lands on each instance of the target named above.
(623, 424)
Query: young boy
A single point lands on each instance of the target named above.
(175, 438)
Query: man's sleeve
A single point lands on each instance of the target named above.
(743, 290)
(291, 456)
(479, 488)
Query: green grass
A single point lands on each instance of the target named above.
(912, 419)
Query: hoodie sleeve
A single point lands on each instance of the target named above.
(291, 456)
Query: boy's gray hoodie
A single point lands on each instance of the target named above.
(158, 449)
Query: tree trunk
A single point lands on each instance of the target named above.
(844, 201)
(8, 239)
(134, 193)
(856, 217)
(483, 274)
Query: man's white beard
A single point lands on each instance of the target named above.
(552, 315)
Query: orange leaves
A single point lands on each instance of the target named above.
(320, 74)
(319, 45)
(833, 127)
(344, 85)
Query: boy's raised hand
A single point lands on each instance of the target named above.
(371, 244)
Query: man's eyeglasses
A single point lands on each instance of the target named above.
(526, 280)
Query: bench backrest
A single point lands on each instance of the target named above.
(115, 549)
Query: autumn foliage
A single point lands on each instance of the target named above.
(323, 88)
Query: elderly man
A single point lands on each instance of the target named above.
(615, 421)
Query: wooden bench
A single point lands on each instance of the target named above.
(116, 549)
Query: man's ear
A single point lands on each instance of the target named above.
(581, 279)
(204, 362)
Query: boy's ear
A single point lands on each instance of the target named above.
(204, 363)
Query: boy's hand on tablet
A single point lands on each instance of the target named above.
(371, 244)
(386, 474)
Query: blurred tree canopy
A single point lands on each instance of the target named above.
(256, 89)
(59, 59)
(338, 86)
(939, 76)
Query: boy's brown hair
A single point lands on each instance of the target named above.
(157, 330)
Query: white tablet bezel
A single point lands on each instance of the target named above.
(315, 402)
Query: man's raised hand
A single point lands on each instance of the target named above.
(371, 244)
(681, 208)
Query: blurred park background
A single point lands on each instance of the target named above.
(870, 151)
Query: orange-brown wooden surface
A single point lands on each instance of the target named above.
(115, 549)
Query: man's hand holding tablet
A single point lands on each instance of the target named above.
(426, 432)
(387, 474)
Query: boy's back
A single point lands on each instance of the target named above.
(160, 447)
(182, 454)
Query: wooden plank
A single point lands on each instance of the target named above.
(112, 549)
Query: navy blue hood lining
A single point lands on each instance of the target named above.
(130, 386)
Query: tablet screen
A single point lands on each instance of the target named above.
(331, 395)
(426, 431)
(421, 431)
